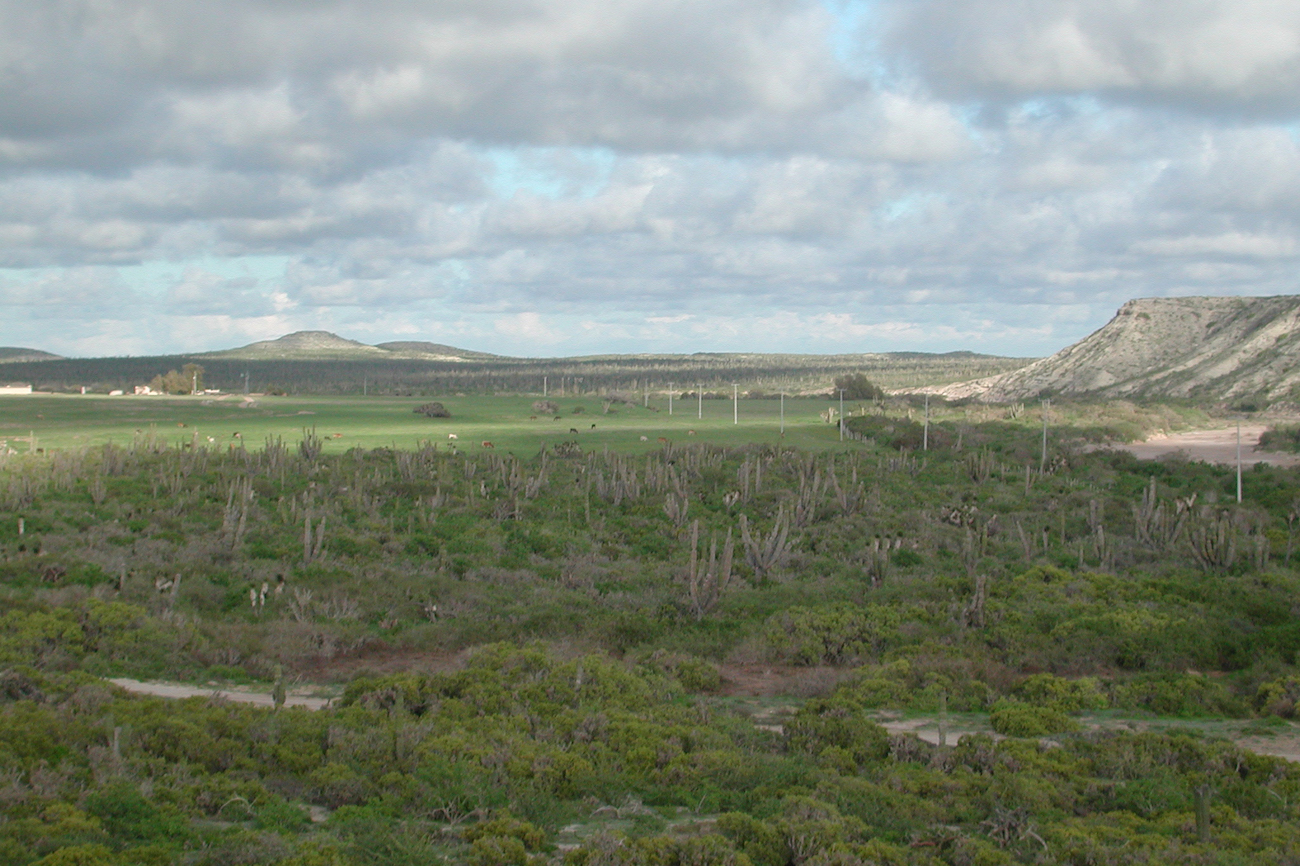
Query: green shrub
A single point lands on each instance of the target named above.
(834, 634)
(698, 675)
(1058, 693)
(1170, 694)
(1278, 697)
(1023, 720)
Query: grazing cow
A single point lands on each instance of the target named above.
(645, 438)
(663, 439)
(488, 445)
(235, 435)
(532, 417)
(690, 432)
(557, 418)
(593, 426)
(452, 436)
(573, 430)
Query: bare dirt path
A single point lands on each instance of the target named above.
(1212, 446)
(241, 696)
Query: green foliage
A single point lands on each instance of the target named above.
(1280, 438)
(529, 836)
(456, 562)
(1170, 694)
(833, 634)
(856, 386)
(1064, 696)
(189, 380)
(1279, 697)
(1013, 719)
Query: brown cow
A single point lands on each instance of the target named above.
(488, 445)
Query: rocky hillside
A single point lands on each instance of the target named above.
(1207, 348)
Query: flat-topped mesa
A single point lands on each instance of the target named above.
(1207, 348)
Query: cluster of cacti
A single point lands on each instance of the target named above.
(707, 580)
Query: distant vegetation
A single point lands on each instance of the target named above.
(1285, 437)
(755, 374)
(577, 612)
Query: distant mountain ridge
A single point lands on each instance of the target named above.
(1222, 348)
(324, 345)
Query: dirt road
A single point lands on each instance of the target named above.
(1212, 446)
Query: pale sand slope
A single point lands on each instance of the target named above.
(1212, 446)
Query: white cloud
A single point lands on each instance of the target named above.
(584, 176)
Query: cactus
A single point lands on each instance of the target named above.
(706, 583)
(764, 554)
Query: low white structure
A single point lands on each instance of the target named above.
(15, 388)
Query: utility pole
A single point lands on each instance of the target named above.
(735, 403)
(245, 381)
(783, 413)
(544, 386)
(646, 389)
(841, 414)
(670, 398)
(699, 392)
(365, 386)
(195, 390)
(1042, 464)
(925, 431)
(1238, 461)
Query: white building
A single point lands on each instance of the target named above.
(15, 388)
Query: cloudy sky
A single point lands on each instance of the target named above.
(548, 177)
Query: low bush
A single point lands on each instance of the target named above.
(432, 410)
(1012, 719)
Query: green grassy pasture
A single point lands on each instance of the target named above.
(509, 423)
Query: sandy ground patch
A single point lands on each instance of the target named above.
(241, 696)
(1212, 446)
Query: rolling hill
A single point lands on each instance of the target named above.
(1201, 347)
(431, 351)
(19, 355)
(323, 345)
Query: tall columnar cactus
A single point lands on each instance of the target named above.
(706, 582)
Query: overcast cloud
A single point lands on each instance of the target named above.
(581, 176)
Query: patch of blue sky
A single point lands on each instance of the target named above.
(852, 39)
(906, 205)
(159, 275)
(550, 172)
(1062, 105)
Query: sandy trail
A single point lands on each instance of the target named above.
(1212, 446)
(178, 690)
